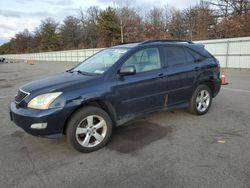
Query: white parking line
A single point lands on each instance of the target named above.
(233, 89)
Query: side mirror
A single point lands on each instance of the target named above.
(127, 70)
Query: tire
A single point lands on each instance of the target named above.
(201, 100)
(89, 129)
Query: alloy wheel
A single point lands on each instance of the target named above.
(91, 131)
(202, 100)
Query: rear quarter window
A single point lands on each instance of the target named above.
(199, 49)
(194, 54)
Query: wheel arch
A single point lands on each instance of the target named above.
(208, 82)
(206, 77)
(193, 100)
(100, 103)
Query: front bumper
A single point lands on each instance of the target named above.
(25, 117)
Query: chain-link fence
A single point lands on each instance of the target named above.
(232, 53)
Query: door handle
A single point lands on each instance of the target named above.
(162, 76)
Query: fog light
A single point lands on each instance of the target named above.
(38, 126)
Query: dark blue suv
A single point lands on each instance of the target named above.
(113, 87)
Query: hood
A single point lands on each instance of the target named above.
(56, 82)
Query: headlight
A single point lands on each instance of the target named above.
(42, 102)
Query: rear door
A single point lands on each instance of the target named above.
(146, 90)
(182, 72)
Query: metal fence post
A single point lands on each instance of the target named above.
(71, 55)
(227, 54)
(77, 56)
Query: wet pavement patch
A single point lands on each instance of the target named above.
(133, 137)
(18, 134)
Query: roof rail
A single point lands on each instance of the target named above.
(166, 40)
(121, 43)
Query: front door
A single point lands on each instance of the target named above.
(144, 91)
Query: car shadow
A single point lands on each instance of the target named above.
(127, 139)
(135, 136)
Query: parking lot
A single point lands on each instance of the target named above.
(166, 149)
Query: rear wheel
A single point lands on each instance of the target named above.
(89, 129)
(201, 100)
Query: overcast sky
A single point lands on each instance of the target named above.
(16, 15)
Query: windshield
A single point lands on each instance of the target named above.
(101, 62)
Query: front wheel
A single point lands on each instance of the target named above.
(201, 100)
(89, 129)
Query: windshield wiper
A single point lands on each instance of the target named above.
(81, 72)
(70, 71)
(85, 73)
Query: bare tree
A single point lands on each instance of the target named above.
(226, 8)
(177, 28)
(130, 24)
(223, 7)
(167, 15)
(156, 18)
(240, 7)
(89, 29)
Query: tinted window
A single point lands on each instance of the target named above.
(145, 60)
(195, 54)
(177, 55)
(189, 57)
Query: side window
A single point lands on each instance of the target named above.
(195, 55)
(177, 55)
(145, 60)
(189, 57)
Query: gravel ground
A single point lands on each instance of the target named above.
(166, 149)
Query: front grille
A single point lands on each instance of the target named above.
(20, 96)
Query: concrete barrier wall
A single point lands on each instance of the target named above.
(65, 56)
(232, 53)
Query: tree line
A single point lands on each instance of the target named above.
(103, 28)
